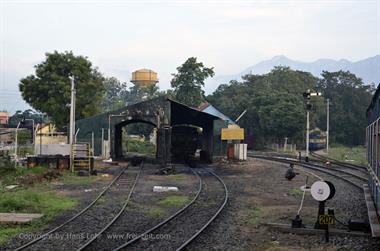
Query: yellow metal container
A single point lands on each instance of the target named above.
(144, 77)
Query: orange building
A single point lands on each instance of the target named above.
(4, 117)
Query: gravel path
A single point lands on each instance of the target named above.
(135, 219)
(77, 232)
(171, 235)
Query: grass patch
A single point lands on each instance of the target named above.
(254, 216)
(37, 199)
(34, 201)
(155, 212)
(174, 200)
(297, 192)
(72, 179)
(9, 175)
(342, 153)
(102, 200)
(177, 177)
(142, 147)
(151, 211)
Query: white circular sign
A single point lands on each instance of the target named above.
(320, 190)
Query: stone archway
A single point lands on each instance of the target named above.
(117, 144)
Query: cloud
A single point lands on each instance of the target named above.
(122, 36)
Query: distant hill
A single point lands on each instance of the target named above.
(367, 69)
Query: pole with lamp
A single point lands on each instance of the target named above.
(328, 125)
(307, 95)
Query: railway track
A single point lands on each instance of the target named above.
(185, 225)
(321, 160)
(55, 238)
(349, 203)
(339, 163)
(348, 177)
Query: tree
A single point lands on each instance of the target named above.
(276, 109)
(48, 90)
(189, 80)
(27, 114)
(115, 93)
(139, 93)
(23, 137)
(349, 100)
(274, 104)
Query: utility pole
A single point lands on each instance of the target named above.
(328, 125)
(307, 133)
(72, 121)
(307, 95)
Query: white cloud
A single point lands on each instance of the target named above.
(121, 36)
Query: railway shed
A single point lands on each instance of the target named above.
(162, 113)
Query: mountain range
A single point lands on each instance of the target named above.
(367, 69)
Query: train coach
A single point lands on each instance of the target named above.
(373, 147)
(317, 139)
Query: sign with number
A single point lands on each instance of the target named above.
(326, 219)
(232, 133)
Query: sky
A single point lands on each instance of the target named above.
(119, 37)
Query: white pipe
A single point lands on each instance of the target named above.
(241, 115)
(76, 134)
(18, 125)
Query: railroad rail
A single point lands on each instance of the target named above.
(86, 209)
(118, 214)
(318, 168)
(182, 211)
(339, 163)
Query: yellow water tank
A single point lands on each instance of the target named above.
(144, 77)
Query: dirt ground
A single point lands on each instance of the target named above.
(260, 194)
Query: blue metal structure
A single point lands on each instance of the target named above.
(317, 139)
(210, 109)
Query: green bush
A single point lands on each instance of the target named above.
(142, 147)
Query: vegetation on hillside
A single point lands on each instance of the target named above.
(274, 101)
(275, 105)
